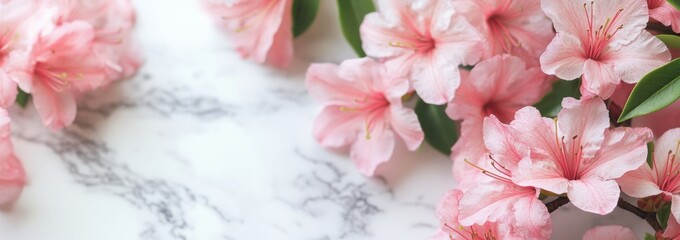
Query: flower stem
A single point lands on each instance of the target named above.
(557, 203)
(650, 217)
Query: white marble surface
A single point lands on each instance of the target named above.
(201, 145)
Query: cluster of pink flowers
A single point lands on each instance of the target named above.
(55, 51)
(509, 158)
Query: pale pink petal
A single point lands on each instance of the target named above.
(447, 209)
(336, 128)
(600, 78)
(594, 195)
(536, 132)
(280, 52)
(436, 78)
(665, 13)
(369, 151)
(639, 183)
(623, 150)
(455, 37)
(668, 142)
(503, 143)
(583, 122)
(644, 54)
(563, 57)
(8, 89)
(405, 123)
(541, 173)
(469, 100)
(673, 229)
(675, 207)
(12, 174)
(56, 109)
(610, 233)
(324, 83)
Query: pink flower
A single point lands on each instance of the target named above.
(447, 211)
(662, 177)
(672, 232)
(12, 175)
(112, 22)
(665, 13)
(516, 27)
(659, 121)
(261, 29)
(363, 109)
(577, 154)
(13, 15)
(498, 198)
(610, 233)
(424, 40)
(60, 63)
(498, 86)
(602, 40)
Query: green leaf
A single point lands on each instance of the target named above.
(440, 131)
(675, 3)
(304, 13)
(662, 215)
(650, 153)
(22, 98)
(649, 236)
(658, 89)
(551, 104)
(671, 41)
(352, 13)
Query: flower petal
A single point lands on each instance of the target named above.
(623, 150)
(610, 233)
(582, 122)
(436, 78)
(639, 183)
(336, 128)
(369, 151)
(594, 195)
(644, 54)
(56, 109)
(563, 57)
(599, 78)
(405, 123)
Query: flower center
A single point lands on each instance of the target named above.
(669, 177)
(372, 106)
(596, 40)
(502, 173)
(569, 158)
(421, 44)
(56, 79)
(499, 31)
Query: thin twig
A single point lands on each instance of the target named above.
(650, 217)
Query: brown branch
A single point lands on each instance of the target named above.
(650, 217)
(557, 203)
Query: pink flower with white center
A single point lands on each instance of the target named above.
(424, 40)
(604, 41)
(665, 13)
(447, 211)
(497, 197)
(60, 64)
(663, 177)
(363, 109)
(578, 154)
(613, 232)
(261, 29)
(12, 175)
(498, 86)
(659, 121)
(517, 27)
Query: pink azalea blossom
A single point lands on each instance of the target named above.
(577, 154)
(613, 232)
(665, 13)
(363, 109)
(12, 175)
(424, 40)
(663, 177)
(498, 86)
(516, 27)
(672, 232)
(261, 29)
(604, 41)
(60, 63)
(659, 121)
(112, 22)
(447, 211)
(13, 15)
(498, 198)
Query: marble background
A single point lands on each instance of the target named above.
(201, 145)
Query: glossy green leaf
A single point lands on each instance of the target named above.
(304, 13)
(672, 41)
(649, 236)
(675, 3)
(440, 131)
(352, 13)
(650, 154)
(656, 90)
(551, 104)
(22, 98)
(662, 215)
